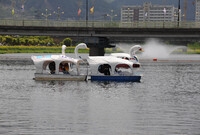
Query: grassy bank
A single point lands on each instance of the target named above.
(187, 51)
(37, 49)
(45, 49)
(193, 51)
(57, 49)
(194, 48)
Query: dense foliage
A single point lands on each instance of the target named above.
(37, 49)
(32, 41)
(26, 40)
(34, 44)
(67, 41)
(194, 47)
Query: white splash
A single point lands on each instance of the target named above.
(153, 48)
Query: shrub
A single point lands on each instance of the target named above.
(67, 41)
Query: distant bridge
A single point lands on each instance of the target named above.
(94, 31)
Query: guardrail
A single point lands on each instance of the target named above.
(101, 24)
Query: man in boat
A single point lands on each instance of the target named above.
(107, 69)
(52, 67)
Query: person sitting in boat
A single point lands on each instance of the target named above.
(52, 67)
(64, 68)
(104, 69)
(126, 58)
(107, 69)
(61, 67)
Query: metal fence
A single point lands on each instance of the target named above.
(100, 24)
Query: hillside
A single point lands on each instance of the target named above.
(33, 9)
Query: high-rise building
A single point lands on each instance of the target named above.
(197, 11)
(149, 12)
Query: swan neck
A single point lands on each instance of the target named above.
(132, 52)
(63, 51)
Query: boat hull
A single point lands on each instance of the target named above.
(59, 77)
(116, 78)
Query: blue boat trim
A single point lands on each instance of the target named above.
(44, 56)
(116, 78)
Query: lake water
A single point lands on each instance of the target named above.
(166, 102)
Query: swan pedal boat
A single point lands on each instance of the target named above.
(109, 68)
(131, 56)
(101, 68)
(50, 67)
(122, 67)
(58, 67)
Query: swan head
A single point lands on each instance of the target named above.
(135, 49)
(79, 46)
(63, 49)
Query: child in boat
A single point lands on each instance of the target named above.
(64, 68)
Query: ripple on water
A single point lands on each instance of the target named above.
(165, 102)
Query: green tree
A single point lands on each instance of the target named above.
(9, 40)
(67, 41)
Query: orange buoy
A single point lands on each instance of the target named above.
(155, 59)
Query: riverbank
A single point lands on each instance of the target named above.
(57, 49)
(15, 59)
(37, 49)
(25, 58)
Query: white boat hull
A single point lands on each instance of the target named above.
(59, 77)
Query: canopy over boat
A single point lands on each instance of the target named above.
(109, 68)
(41, 62)
(99, 64)
(59, 67)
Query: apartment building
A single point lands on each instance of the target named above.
(149, 12)
(197, 10)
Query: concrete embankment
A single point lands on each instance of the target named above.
(16, 59)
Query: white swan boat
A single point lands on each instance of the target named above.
(109, 68)
(59, 67)
(131, 56)
(101, 68)
(121, 67)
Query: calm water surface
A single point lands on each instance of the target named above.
(166, 102)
